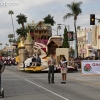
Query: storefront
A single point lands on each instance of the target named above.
(83, 52)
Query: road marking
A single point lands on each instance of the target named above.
(47, 90)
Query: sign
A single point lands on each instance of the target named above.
(90, 67)
(89, 37)
(98, 36)
(80, 39)
(70, 36)
(83, 50)
(90, 46)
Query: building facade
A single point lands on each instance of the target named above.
(81, 37)
(40, 32)
(89, 41)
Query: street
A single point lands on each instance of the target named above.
(34, 86)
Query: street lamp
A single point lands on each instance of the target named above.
(56, 30)
(64, 25)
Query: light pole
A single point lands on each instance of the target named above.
(56, 30)
(65, 25)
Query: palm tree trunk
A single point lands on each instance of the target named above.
(76, 38)
(13, 26)
(23, 25)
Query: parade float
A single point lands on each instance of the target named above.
(26, 49)
(29, 47)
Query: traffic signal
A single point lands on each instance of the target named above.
(92, 19)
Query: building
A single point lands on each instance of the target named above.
(96, 40)
(40, 32)
(89, 41)
(81, 38)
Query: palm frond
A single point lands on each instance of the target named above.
(98, 21)
(10, 12)
(67, 16)
(75, 8)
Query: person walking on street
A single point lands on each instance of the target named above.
(51, 63)
(2, 68)
(63, 64)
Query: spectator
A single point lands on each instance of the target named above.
(63, 65)
(51, 62)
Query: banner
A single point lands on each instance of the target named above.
(70, 36)
(90, 67)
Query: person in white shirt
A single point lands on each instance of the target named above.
(63, 64)
(51, 63)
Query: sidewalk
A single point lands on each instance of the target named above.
(93, 79)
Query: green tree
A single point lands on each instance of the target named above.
(78, 27)
(65, 40)
(10, 13)
(21, 19)
(7, 44)
(10, 36)
(75, 11)
(99, 21)
(10, 41)
(1, 45)
(49, 20)
(22, 32)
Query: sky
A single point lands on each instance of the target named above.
(36, 10)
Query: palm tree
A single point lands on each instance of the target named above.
(21, 19)
(75, 11)
(7, 44)
(99, 21)
(78, 27)
(10, 36)
(1, 45)
(11, 12)
(22, 32)
(49, 20)
(10, 40)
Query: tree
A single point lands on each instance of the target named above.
(78, 27)
(49, 20)
(65, 40)
(75, 11)
(22, 32)
(10, 36)
(21, 19)
(10, 13)
(7, 44)
(1, 45)
(10, 40)
(99, 21)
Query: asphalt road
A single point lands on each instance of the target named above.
(34, 86)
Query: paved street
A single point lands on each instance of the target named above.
(34, 86)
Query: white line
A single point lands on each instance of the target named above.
(47, 90)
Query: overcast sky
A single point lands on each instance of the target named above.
(36, 10)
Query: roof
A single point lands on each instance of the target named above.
(58, 43)
(34, 25)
